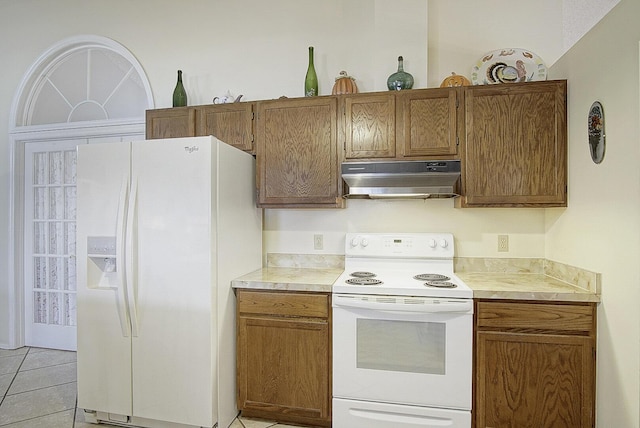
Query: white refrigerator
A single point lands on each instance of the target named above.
(163, 226)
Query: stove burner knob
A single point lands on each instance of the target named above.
(364, 242)
(432, 243)
(354, 242)
(443, 243)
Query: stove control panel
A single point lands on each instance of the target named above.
(400, 245)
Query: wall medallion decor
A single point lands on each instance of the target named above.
(596, 132)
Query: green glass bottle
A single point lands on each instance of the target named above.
(311, 79)
(400, 79)
(179, 94)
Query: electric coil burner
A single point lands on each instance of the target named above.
(363, 281)
(402, 264)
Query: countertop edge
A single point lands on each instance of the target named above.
(321, 280)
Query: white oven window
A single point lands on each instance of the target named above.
(401, 346)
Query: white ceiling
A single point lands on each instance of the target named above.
(579, 16)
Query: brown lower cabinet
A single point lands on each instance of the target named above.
(284, 356)
(534, 364)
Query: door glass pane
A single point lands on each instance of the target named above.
(39, 168)
(39, 203)
(56, 273)
(39, 237)
(55, 167)
(55, 309)
(56, 238)
(70, 203)
(70, 309)
(40, 307)
(56, 203)
(401, 346)
(70, 167)
(40, 272)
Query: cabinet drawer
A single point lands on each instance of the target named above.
(284, 304)
(541, 316)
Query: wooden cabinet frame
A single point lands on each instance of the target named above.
(511, 140)
(534, 364)
(284, 356)
(298, 160)
(515, 149)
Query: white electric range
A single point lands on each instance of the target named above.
(402, 334)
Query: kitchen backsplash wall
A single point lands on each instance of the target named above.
(475, 230)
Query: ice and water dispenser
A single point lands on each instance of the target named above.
(102, 269)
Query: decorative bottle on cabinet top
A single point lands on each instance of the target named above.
(400, 79)
(179, 94)
(311, 79)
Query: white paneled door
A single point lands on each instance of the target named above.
(50, 244)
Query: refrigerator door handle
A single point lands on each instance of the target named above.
(121, 298)
(130, 237)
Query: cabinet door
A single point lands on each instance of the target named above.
(297, 153)
(370, 124)
(284, 356)
(515, 150)
(534, 380)
(230, 123)
(170, 123)
(429, 122)
(283, 367)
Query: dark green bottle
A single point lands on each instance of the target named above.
(179, 94)
(311, 80)
(400, 79)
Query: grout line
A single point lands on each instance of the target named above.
(44, 387)
(37, 417)
(14, 377)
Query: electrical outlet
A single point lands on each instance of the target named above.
(503, 243)
(317, 242)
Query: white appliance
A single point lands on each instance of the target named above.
(163, 226)
(402, 334)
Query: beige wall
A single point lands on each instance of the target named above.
(259, 49)
(600, 230)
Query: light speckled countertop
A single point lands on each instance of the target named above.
(485, 285)
(524, 286)
(290, 279)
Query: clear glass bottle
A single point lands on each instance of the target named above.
(311, 79)
(400, 79)
(179, 94)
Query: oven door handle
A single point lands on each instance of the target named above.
(408, 304)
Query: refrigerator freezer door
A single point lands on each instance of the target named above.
(173, 351)
(104, 346)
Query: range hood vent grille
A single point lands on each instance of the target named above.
(402, 179)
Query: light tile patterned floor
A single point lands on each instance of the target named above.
(38, 390)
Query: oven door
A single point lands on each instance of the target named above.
(404, 350)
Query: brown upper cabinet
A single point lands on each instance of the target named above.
(515, 150)
(369, 125)
(231, 123)
(297, 155)
(170, 123)
(511, 140)
(429, 122)
(415, 124)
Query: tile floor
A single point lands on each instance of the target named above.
(38, 390)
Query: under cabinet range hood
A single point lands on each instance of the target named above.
(402, 179)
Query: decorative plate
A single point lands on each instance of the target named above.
(508, 66)
(596, 132)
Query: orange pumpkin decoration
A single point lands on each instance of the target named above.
(455, 80)
(344, 85)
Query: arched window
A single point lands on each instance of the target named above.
(82, 90)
